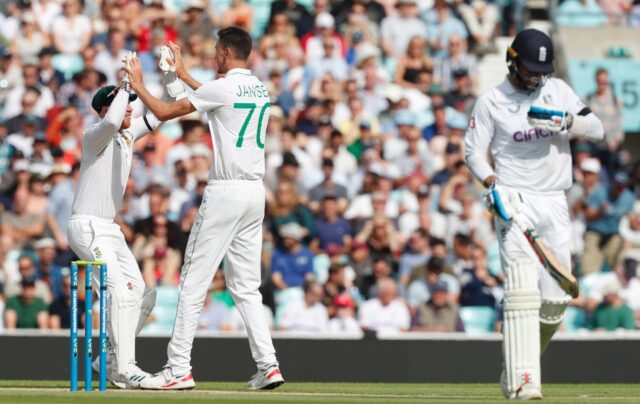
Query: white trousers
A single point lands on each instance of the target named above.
(550, 215)
(229, 222)
(97, 239)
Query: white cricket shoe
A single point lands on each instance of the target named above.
(132, 377)
(166, 380)
(112, 370)
(524, 392)
(267, 379)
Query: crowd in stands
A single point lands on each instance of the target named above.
(373, 221)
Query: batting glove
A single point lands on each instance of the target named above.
(170, 79)
(502, 201)
(549, 118)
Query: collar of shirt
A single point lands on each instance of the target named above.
(238, 71)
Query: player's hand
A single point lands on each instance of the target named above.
(177, 58)
(549, 117)
(503, 201)
(134, 71)
(167, 65)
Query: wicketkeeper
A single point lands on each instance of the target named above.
(107, 152)
(526, 123)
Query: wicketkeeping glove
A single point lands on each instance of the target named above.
(170, 79)
(549, 118)
(502, 201)
(124, 84)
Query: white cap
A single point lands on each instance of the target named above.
(325, 20)
(591, 165)
(21, 165)
(366, 51)
(291, 230)
(196, 4)
(200, 150)
(46, 242)
(612, 287)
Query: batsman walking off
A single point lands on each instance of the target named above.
(526, 123)
(107, 153)
(230, 217)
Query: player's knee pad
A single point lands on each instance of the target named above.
(552, 310)
(521, 327)
(551, 316)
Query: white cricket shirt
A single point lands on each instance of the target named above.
(237, 109)
(525, 158)
(106, 160)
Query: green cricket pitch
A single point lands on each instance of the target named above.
(227, 392)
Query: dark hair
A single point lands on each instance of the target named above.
(463, 239)
(236, 39)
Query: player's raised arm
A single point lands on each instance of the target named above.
(162, 110)
(180, 70)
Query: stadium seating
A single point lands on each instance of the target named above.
(478, 319)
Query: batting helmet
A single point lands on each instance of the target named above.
(533, 50)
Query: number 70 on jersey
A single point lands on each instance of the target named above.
(251, 107)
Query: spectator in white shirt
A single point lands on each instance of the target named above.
(387, 313)
(308, 315)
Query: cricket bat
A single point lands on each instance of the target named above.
(551, 263)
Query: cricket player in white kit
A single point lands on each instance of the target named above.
(107, 151)
(526, 123)
(230, 218)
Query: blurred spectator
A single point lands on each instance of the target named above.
(308, 315)
(337, 284)
(616, 10)
(18, 223)
(10, 73)
(477, 284)
(344, 320)
(328, 187)
(358, 28)
(26, 310)
(630, 232)
(481, 19)
(286, 208)
(414, 61)
(442, 26)
(30, 40)
(438, 314)
(27, 270)
(581, 190)
(397, 30)
(626, 275)
(147, 169)
(381, 237)
(457, 61)
(291, 264)
(160, 263)
(38, 103)
(296, 13)
(195, 21)
(605, 208)
(581, 13)
(47, 270)
(72, 30)
(417, 255)
(360, 261)
(63, 188)
(313, 42)
(375, 11)
(60, 309)
(45, 12)
(420, 290)
(461, 96)
(239, 14)
(330, 228)
(49, 75)
(380, 268)
(386, 313)
(608, 107)
(110, 59)
(612, 314)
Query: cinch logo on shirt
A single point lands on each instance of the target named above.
(531, 134)
(259, 90)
